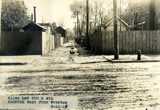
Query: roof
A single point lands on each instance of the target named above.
(126, 25)
(120, 21)
(61, 30)
(44, 24)
(33, 27)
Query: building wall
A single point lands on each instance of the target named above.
(61, 41)
(57, 40)
(0, 15)
(48, 42)
(21, 43)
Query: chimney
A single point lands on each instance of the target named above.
(34, 19)
(31, 16)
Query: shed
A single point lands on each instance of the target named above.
(33, 27)
(61, 30)
(33, 38)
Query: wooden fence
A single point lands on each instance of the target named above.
(102, 42)
(20, 43)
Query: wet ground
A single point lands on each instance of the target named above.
(98, 86)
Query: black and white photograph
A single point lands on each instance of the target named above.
(80, 55)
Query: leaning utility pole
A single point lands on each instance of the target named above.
(87, 22)
(116, 39)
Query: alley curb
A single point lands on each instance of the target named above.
(130, 61)
(12, 63)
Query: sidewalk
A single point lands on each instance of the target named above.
(133, 58)
(62, 55)
(18, 60)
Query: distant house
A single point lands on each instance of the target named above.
(60, 35)
(122, 25)
(46, 26)
(61, 30)
(49, 41)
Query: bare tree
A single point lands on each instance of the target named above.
(76, 9)
(98, 17)
(140, 15)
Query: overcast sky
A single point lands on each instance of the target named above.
(56, 10)
(52, 11)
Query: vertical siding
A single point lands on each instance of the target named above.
(26, 43)
(129, 42)
(20, 43)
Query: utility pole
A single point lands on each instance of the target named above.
(77, 23)
(120, 12)
(95, 18)
(87, 22)
(116, 38)
(152, 15)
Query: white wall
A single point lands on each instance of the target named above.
(0, 15)
(48, 43)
